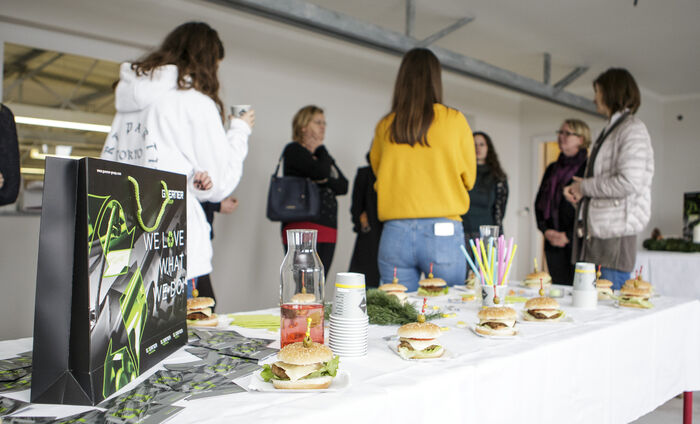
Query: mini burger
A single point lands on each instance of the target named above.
(533, 279)
(497, 321)
(470, 283)
(432, 287)
(304, 298)
(199, 312)
(418, 340)
(638, 283)
(635, 297)
(542, 309)
(604, 288)
(302, 365)
(395, 289)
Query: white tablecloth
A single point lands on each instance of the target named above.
(609, 366)
(672, 273)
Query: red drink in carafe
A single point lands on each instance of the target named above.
(294, 321)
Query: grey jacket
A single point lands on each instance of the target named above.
(620, 189)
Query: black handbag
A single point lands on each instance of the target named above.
(292, 199)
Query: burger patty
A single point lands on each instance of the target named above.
(495, 325)
(196, 316)
(539, 315)
(433, 288)
(279, 372)
(408, 346)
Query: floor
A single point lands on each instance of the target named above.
(671, 412)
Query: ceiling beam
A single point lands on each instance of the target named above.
(20, 64)
(570, 77)
(315, 18)
(445, 31)
(32, 72)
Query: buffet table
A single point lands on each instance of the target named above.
(609, 365)
(672, 273)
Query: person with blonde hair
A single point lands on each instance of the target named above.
(424, 158)
(555, 216)
(306, 156)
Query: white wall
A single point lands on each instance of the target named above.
(677, 169)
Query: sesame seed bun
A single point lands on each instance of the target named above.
(432, 282)
(304, 298)
(298, 354)
(495, 313)
(393, 287)
(635, 291)
(533, 279)
(603, 283)
(541, 303)
(195, 303)
(419, 330)
(306, 383)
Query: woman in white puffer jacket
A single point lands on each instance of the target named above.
(614, 197)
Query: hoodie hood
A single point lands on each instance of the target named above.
(135, 93)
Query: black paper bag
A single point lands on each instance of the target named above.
(111, 288)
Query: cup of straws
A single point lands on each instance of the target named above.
(491, 262)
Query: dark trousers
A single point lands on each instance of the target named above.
(559, 264)
(205, 288)
(325, 253)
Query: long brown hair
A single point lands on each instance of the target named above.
(195, 48)
(620, 90)
(418, 87)
(492, 157)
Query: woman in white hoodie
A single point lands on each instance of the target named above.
(169, 117)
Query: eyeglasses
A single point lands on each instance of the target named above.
(567, 133)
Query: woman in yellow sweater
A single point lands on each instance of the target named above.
(424, 159)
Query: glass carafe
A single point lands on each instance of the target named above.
(301, 289)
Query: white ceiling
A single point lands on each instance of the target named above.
(656, 40)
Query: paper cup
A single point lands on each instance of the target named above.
(238, 110)
(584, 276)
(585, 298)
(350, 300)
(487, 295)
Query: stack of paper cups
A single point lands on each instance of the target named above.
(349, 323)
(585, 293)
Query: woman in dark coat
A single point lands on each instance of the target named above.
(555, 216)
(367, 226)
(307, 157)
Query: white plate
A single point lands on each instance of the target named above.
(416, 296)
(393, 344)
(566, 320)
(463, 289)
(340, 382)
(631, 308)
(473, 328)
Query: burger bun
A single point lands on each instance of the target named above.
(307, 383)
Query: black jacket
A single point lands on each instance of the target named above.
(9, 157)
(319, 166)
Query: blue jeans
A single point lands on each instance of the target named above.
(617, 277)
(411, 246)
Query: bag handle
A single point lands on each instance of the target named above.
(139, 209)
